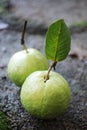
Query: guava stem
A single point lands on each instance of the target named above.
(22, 37)
(49, 69)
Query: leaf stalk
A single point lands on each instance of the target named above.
(49, 69)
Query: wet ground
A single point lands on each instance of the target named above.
(40, 14)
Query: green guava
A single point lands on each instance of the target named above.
(45, 100)
(23, 64)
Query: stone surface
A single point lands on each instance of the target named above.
(73, 69)
(79, 45)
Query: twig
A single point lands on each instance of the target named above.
(22, 37)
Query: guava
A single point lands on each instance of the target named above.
(45, 100)
(23, 64)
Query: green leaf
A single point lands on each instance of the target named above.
(58, 41)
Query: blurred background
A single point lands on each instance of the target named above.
(46, 11)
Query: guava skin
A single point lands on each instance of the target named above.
(22, 64)
(45, 100)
